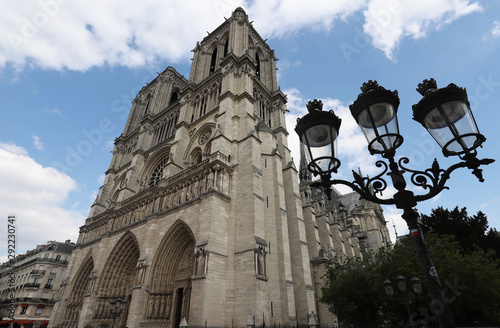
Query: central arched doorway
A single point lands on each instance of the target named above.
(171, 272)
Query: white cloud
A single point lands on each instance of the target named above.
(284, 65)
(277, 18)
(78, 35)
(52, 110)
(496, 29)
(110, 144)
(37, 142)
(100, 179)
(13, 148)
(35, 194)
(388, 22)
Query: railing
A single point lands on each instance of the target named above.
(30, 300)
(51, 260)
(36, 272)
(31, 285)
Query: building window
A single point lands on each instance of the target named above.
(174, 98)
(197, 159)
(41, 267)
(54, 270)
(45, 295)
(39, 310)
(213, 61)
(58, 258)
(35, 281)
(158, 173)
(147, 105)
(23, 310)
(226, 47)
(30, 294)
(196, 156)
(257, 66)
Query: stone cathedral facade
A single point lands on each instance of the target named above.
(201, 216)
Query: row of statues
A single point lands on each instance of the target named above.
(159, 307)
(214, 178)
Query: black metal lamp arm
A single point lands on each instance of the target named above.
(432, 179)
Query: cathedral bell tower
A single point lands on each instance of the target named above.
(199, 217)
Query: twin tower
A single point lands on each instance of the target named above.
(201, 218)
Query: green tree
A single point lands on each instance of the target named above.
(471, 281)
(469, 231)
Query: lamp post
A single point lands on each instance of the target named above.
(116, 307)
(405, 299)
(444, 112)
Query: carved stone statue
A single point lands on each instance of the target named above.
(200, 262)
(92, 279)
(261, 264)
(139, 278)
(151, 303)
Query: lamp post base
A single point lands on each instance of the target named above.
(439, 306)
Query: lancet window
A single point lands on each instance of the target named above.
(257, 66)
(148, 103)
(206, 100)
(263, 107)
(174, 98)
(226, 47)
(165, 128)
(213, 61)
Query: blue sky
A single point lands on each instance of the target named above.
(69, 70)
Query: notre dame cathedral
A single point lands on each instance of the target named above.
(202, 218)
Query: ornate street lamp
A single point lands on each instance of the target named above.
(375, 112)
(318, 131)
(116, 307)
(445, 113)
(405, 297)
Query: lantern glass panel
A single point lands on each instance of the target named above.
(321, 142)
(376, 115)
(417, 286)
(379, 124)
(388, 287)
(452, 122)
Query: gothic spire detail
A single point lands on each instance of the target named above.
(305, 176)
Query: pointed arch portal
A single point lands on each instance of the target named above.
(80, 288)
(171, 272)
(117, 280)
